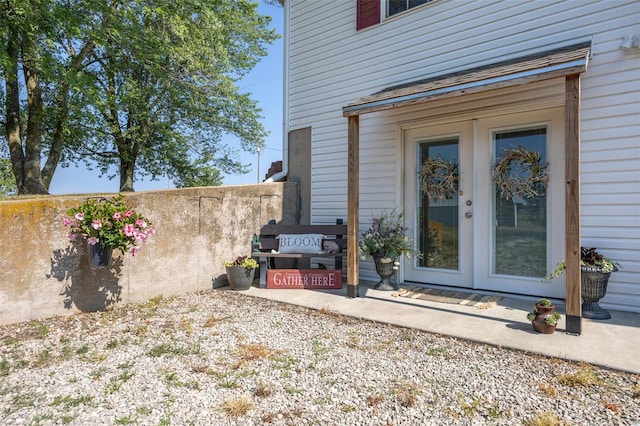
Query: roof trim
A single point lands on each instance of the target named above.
(560, 62)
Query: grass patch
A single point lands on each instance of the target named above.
(544, 419)
(584, 377)
(165, 349)
(636, 390)
(116, 382)
(437, 351)
(213, 321)
(235, 408)
(262, 390)
(43, 359)
(374, 400)
(547, 389)
(150, 307)
(4, 367)
(69, 401)
(41, 328)
(407, 394)
(254, 351)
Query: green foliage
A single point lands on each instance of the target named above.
(162, 94)
(7, 179)
(148, 86)
(552, 318)
(590, 259)
(242, 262)
(545, 302)
(110, 222)
(387, 237)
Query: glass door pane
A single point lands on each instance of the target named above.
(520, 221)
(438, 238)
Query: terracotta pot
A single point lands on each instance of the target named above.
(543, 309)
(540, 325)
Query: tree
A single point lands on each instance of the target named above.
(146, 85)
(39, 59)
(7, 180)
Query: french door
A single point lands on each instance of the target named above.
(470, 233)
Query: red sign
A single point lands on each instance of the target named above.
(304, 278)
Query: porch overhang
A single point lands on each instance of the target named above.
(541, 66)
(569, 62)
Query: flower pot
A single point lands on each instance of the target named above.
(240, 278)
(541, 326)
(386, 271)
(593, 288)
(99, 255)
(543, 309)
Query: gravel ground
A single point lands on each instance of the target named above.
(224, 358)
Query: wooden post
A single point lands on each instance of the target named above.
(572, 202)
(353, 205)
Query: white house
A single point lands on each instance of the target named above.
(402, 81)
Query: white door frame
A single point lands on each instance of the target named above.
(481, 209)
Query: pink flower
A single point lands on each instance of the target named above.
(79, 216)
(117, 216)
(128, 213)
(96, 224)
(72, 237)
(129, 230)
(66, 221)
(92, 241)
(134, 250)
(141, 223)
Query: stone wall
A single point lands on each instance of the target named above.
(42, 274)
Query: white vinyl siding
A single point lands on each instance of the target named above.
(332, 65)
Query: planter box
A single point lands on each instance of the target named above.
(304, 278)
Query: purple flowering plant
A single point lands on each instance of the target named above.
(109, 222)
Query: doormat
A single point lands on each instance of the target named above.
(480, 301)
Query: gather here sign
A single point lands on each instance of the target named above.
(304, 278)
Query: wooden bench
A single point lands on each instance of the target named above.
(266, 246)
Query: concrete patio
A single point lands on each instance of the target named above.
(610, 343)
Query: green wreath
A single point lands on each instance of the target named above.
(530, 182)
(438, 178)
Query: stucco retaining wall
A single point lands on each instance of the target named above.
(42, 274)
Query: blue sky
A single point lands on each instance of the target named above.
(264, 83)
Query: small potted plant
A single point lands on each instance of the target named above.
(543, 319)
(544, 305)
(386, 241)
(105, 225)
(595, 272)
(240, 272)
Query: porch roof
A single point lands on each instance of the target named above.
(558, 62)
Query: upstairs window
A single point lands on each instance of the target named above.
(396, 6)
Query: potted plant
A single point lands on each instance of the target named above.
(386, 241)
(105, 225)
(543, 319)
(543, 305)
(240, 272)
(595, 272)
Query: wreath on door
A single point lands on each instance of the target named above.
(438, 178)
(531, 180)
